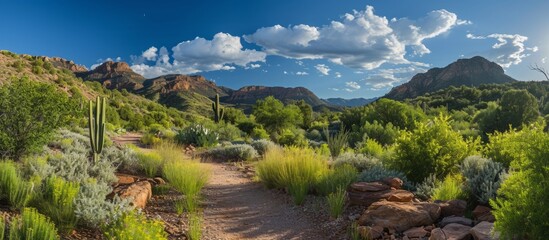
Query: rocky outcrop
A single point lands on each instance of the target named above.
(176, 83)
(400, 216)
(66, 64)
(469, 72)
(114, 75)
(452, 208)
(484, 231)
(483, 213)
(366, 193)
(139, 193)
(250, 94)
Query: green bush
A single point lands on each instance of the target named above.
(483, 177)
(259, 133)
(2, 228)
(57, 202)
(451, 188)
(187, 177)
(232, 153)
(508, 146)
(296, 169)
(150, 139)
(32, 225)
(426, 189)
(12, 187)
(378, 173)
(431, 148)
(359, 161)
(136, 226)
(336, 142)
(197, 135)
(372, 148)
(336, 202)
(263, 145)
(337, 178)
(292, 137)
(150, 163)
(521, 207)
(195, 226)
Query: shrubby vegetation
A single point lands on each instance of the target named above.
(232, 153)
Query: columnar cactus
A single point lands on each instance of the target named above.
(97, 126)
(218, 111)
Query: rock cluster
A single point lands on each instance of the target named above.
(139, 190)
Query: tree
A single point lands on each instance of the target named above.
(518, 107)
(274, 116)
(29, 114)
(306, 113)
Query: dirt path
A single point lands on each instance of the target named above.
(237, 208)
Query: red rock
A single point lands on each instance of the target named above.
(394, 182)
(400, 216)
(125, 179)
(483, 213)
(368, 232)
(417, 232)
(369, 186)
(483, 231)
(454, 231)
(139, 193)
(452, 208)
(367, 198)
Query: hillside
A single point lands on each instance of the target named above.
(250, 94)
(353, 102)
(464, 72)
(114, 75)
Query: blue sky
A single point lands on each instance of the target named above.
(339, 48)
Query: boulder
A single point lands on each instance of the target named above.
(437, 234)
(393, 182)
(124, 179)
(483, 231)
(454, 231)
(452, 208)
(369, 186)
(367, 232)
(139, 193)
(453, 219)
(417, 232)
(483, 213)
(159, 180)
(400, 216)
(367, 198)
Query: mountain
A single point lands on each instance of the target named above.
(469, 72)
(250, 94)
(114, 75)
(353, 102)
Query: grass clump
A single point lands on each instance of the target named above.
(136, 226)
(451, 188)
(57, 202)
(12, 186)
(32, 225)
(150, 163)
(169, 151)
(336, 178)
(296, 169)
(187, 177)
(2, 227)
(337, 142)
(336, 202)
(195, 226)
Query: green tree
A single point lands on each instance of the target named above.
(306, 113)
(518, 107)
(29, 114)
(276, 117)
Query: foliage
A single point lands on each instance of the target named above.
(359, 161)
(378, 172)
(336, 202)
(336, 178)
(306, 113)
(262, 146)
(169, 151)
(291, 137)
(195, 226)
(232, 153)
(296, 169)
(12, 186)
(521, 209)
(136, 226)
(150, 163)
(384, 134)
(426, 189)
(451, 188)
(336, 142)
(31, 112)
(483, 177)
(57, 202)
(431, 148)
(197, 135)
(372, 148)
(508, 146)
(187, 177)
(150, 139)
(274, 116)
(2, 228)
(32, 225)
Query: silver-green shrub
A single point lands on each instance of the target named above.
(263, 145)
(232, 153)
(425, 189)
(483, 177)
(378, 173)
(197, 135)
(360, 161)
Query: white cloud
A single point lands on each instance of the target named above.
(101, 61)
(338, 75)
(323, 69)
(253, 65)
(543, 60)
(302, 73)
(388, 78)
(352, 86)
(223, 52)
(359, 40)
(509, 49)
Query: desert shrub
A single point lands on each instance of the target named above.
(506, 147)
(227, 131)
(378, 173)
(32, 225)
(169, 151)
(336, 202)
(150, 163)
(75, 167)
(237, 152)
(150, 139)
(187, 177)
(2, 228)
(521, 207)
(124, 157)
(323, 150)
(372, 148)
(426, 189)
(262, 146)
(13, 187)
(359, 161)
(259, 133)
(195, 226)
(314, 135)
(31, 111)
(296, 169)
(336, 178)
(431, 148)
(197, 135)
(483, 177)
(56, 200)
(449, 189)
(136, 226)
(93, 209)
(292, 137)
(336, 142)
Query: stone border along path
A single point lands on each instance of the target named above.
(238, 208)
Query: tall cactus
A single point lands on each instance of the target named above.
(218, 111)
(96, 124)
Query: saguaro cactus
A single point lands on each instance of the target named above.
(218, 111)
(96, 124)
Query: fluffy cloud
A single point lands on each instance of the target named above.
(352, 86)
(323, 69)
(360, 40)
(508, 50)
(223, 52)
(338, 75)
(302, 73)
(388, 78)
